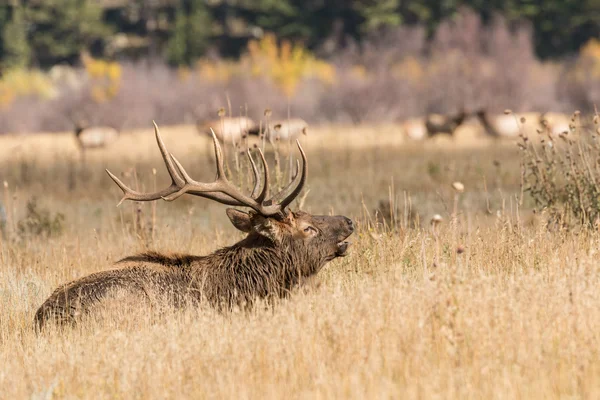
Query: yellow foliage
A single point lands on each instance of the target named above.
(589, 62)
(22, 82)
(7, 95)
(591, 49)
(286, 65)
(98, 94)
(410, 68)
(113, 71)
(359, 72)
(105, 78)
(183, 73)
(112, 90)
(325, 72)
(216, 71)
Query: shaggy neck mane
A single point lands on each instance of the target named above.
(252, 267)
(258, 253)
(171, 260)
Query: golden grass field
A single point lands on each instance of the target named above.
(489, 304)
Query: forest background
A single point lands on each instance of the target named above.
(124, 63)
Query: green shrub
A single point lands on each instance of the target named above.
(39, 222)
(562, 175)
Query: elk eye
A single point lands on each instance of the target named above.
(310, 229)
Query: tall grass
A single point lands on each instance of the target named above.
(561, 173)
(486, 303)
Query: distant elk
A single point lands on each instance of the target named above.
(557, 124)
(499, 126)
(414, 128)
(433, 125)
(229, 130)
(285, 130)
(281, 250)
(444, 124)
(92, 137)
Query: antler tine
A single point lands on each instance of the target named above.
(289, 185)
(166, 156)
(176, 180)
(285, 202)
(121, 185)
(130, 194)
(220, 190)
(197, 189)
(218, 156)
(256, 175)
(265, 192)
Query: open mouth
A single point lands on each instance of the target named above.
(342, 249)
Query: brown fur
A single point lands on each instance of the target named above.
(275, 257)
(173, 260)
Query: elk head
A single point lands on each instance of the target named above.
(311, 239)
(318, 238)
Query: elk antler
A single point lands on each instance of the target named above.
(221, 190)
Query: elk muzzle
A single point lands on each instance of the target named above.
(346, 230)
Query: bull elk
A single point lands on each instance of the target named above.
(282, 248)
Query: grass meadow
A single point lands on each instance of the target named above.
(488, 303)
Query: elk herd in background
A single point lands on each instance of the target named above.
(498, 126)
(233, 131)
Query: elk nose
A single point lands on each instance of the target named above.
(350, 224)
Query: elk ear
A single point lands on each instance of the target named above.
(269, 228)
(240, 219)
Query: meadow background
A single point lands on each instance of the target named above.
(494, 301)
(484, 291)
(126, 63)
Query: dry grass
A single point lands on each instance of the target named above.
(489, 304)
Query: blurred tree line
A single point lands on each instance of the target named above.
(47, 32)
